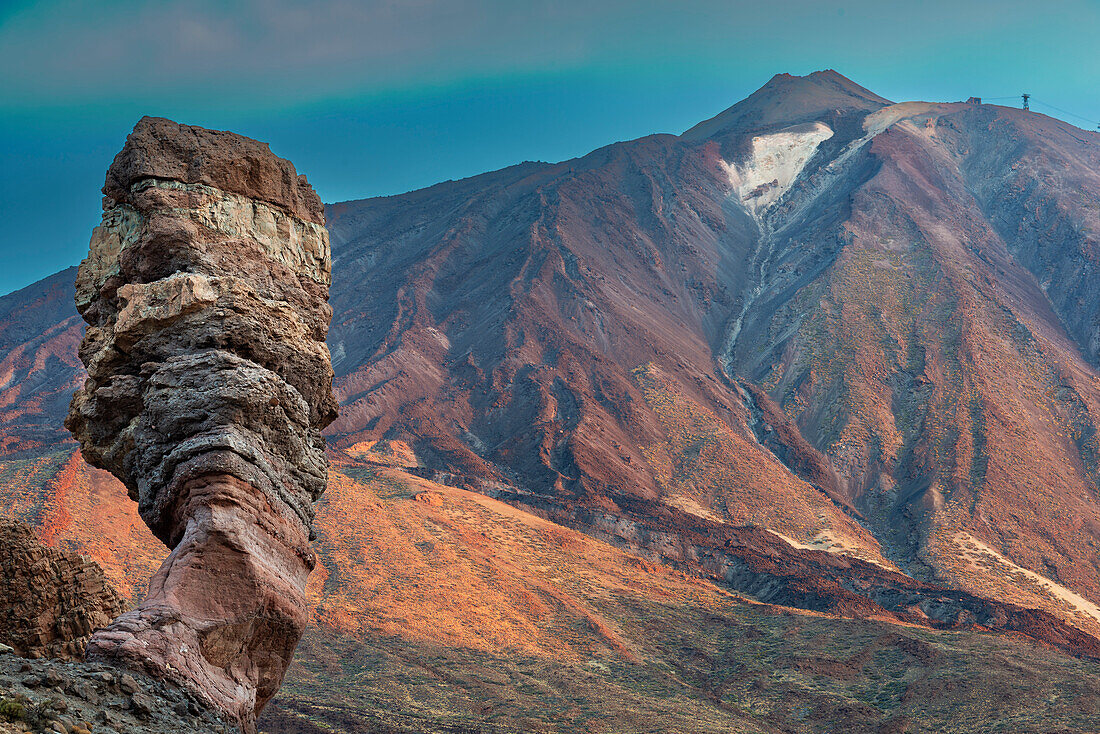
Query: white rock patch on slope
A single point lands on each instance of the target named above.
(774, 163)
(978, 555)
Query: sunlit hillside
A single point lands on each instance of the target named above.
(437, 609)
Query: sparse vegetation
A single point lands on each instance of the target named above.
(707, 468)
(527, 656)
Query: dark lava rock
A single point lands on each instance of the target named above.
(84, 697)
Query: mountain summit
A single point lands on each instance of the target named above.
(824, 350)
(789, 100)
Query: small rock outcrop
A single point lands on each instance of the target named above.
(50, 601)
(205, 291)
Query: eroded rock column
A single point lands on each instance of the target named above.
(205, 291)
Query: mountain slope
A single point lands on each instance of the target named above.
(439, 609)
(929, 364)
(519, 316)
(39, 369)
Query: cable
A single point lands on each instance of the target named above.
(1090, 120)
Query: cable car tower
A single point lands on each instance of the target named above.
(1026, 98)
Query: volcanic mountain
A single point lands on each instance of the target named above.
(866, 326)
(822, 350)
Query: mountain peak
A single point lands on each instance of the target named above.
(787, 99)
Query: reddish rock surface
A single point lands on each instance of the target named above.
(205, 291)
(50, 601)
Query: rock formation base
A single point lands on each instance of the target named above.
(227, 607)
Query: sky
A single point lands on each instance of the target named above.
(378, 98)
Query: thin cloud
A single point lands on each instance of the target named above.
(278, 53)
(77, 49)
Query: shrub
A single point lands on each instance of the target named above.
(12, 710)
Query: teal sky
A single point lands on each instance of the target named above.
(374, 98)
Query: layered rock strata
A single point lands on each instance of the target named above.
(205, 292)
(50, 601)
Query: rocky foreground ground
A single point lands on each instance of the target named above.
(89, 698)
